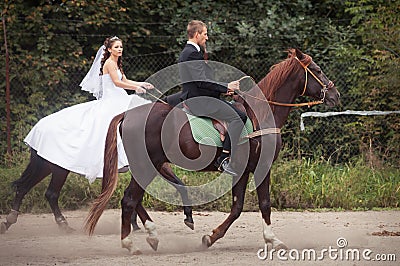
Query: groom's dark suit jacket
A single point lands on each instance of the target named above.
(197, 80)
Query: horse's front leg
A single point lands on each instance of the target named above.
(238, 192)
(265, 207)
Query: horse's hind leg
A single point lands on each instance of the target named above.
(135, 226)
(149, 225)
(167, 173)
(36, 171)
(134, 223)
(131, 201)
(53, 193)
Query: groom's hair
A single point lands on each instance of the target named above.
(195, 26)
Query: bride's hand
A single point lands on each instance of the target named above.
(146, 85)
(140, 90)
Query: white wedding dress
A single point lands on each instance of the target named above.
(74, 138)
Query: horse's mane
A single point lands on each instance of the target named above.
(268, 86)
(279, 73)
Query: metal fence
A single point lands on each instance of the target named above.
(335, 138)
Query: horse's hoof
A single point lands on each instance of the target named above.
(3, 228)
(135, 252)
(69, 230)
(153, 242)
(12, 217)
(66, 228)
(206, 240)
(281, 246)
(127, 243)
(189, 224)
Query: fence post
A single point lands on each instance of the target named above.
(8, 111)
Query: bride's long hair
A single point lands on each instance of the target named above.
(108, 43)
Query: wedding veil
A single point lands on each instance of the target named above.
(92, 81)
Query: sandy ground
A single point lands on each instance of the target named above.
(36, 239)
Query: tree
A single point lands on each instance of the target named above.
(376, 57)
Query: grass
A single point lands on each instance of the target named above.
(295, 185)
(317, 184)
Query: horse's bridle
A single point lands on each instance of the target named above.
(324, 89)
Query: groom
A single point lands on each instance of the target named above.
(202, 95)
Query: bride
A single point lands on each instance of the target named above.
(74, 137)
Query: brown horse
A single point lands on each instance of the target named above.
(155, 134)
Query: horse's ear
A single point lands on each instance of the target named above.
(299, 54)
(291, 53)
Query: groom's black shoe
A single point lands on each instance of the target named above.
(226, 166)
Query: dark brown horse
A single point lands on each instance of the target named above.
(155, 134)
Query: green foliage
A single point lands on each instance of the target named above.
(376, 23)
(376, 79)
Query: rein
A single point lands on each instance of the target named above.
(309, 104)
(155, 97)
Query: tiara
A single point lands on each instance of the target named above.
(114, 38)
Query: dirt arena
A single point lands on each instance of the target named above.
(36, 239)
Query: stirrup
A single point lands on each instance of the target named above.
(219, 165)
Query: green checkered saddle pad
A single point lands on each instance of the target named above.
(204, 132)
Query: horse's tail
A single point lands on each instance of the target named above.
(110, 175)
